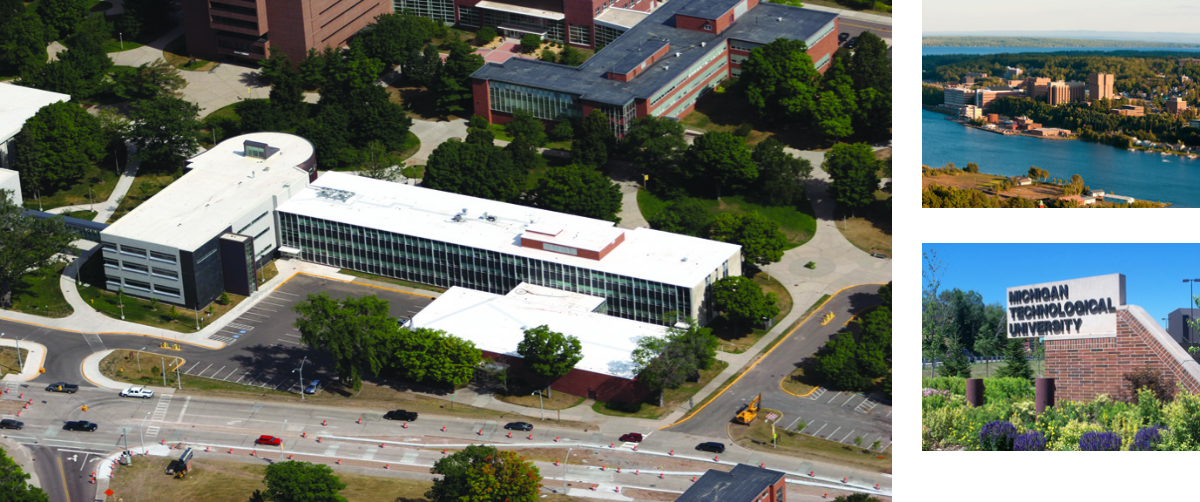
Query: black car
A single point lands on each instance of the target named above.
(851, 42)
(842, 37)
(62, 387)
(9, 423)
(407, 416)
(519, 426)
(711, 446)
(81, 425)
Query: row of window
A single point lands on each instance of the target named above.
(443, 264)
(141, 269)
(581, 35)
(127, 284)
(437, 10)
(544, 104)
(256, 220)
(606, 35)
(139, 252)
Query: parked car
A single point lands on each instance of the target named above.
(9, 423)
(313, 387)
(62, 387)
(80, 425)
(843, 37)
(268, 440)
(632, 437)
(711, 446)
(851, 42)
(519, 426)
(407, 416)
(141, 392)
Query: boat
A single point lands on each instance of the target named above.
(1192, 156)
(1132, 150)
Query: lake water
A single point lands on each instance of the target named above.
(1147, 176)
(938, 51)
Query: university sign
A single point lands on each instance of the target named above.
(1084, 307)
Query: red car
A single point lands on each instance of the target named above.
(268, 440)
(632, 437)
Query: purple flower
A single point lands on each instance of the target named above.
(1099, 441)
(1147, 438)
(1030, 441)
(997, 436)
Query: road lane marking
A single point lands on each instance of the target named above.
(85, 462)
(184, 410)
(97, 450)
(63, 472)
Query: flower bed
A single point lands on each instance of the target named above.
(1007, 420)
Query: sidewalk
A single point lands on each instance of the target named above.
(91, 372)
(851, 14)
(33, 361)
(108, 207)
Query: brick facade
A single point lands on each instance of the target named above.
(1087, 367)
(604, 388)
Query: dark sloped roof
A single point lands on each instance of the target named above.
(742, 484)
(589, 80)
(707, 9)
(636, 56)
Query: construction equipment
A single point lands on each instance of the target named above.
(180, 467)
(750, 413)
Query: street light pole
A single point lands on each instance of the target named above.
(164, 370)
(143, 435)
(19, 360)
(539, 395)
(565, 460)
(281, 431)
(301, 370)
(139, 359)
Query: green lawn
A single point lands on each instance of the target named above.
(100, 178)
(501, 134)
(176, 54)
(797, 223)
(144, 187)
(738, 339)
(124, 43)
(673, 398)
(38, 293)
(83, 215)
(8, 360)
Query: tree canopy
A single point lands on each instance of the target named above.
(594, 139)
(56, 146)
(722, 159)
(28, 243)
(549, 354)
(14, 484)
(149, 80)
(484, 474)
(525, 125)
(143, 16)
(742, 301)
(667, 362)
(165, 130)
(397, 38)
(453, 87)
(429, 356)
(855, 173)
(685, 216)
(578, 190)
(294, 481)
(779, 174)
(781, 82)
(762, 242)
(80, 70)
(478, 170)
(348, 330)
(22, 40)
(61, 16)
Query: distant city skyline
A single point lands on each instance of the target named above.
(1153, 17)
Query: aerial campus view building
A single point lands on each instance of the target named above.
(660, 67)
(590, 24)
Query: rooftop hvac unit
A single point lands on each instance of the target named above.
(703, 44)
(677, 54)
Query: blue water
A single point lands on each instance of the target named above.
(938, 51)
(1146, 176)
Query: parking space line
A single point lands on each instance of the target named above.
(291, 335)
(269, 303)
(852, 396)
(189, 370)
(288, 341)
(269, 382)
(835, 396)
(243, 319)
(281, 382)
(832, 433)
(794, 422)
(285, 293)
(205, 369)
(819, 430)
(262, 308)
(847, 435)
(260, 315)
(231, 372)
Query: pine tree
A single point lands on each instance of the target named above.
(1016, 364)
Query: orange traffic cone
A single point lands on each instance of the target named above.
(303, 434)
(672, 453)
(339, 461)
(323, 423)
(811, 473)
(404, 425)
(231, 451)
(510, 435)
(660, 475)
(480, 433)
(844, 480)
(289, 457)
(693, 479)
(716, 459)
(381, 445)
(555, 439)
(318, 439)
(360, 421)
(385, 466)
(443, 428)
(443, 451)
(531, 437)
(252, 453)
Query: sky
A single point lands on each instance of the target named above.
(1042, 15)
(1154, 273)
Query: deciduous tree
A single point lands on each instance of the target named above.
(854, 170)
(663, 365)
(477, 170)
(578, 190)
(525, 125)
(56, 146)
(779, 174)
(22, 41)
(571, 56)
(741, 300)
(423, 72)
(165, 130)
(27, 243)
(143, 16)
(295, 481)
(157, 78)
(484, 474)
(685, 216)
(348, 330)
(14, 486)
(781, 83)
(655, 145)
(722, 160)
(530, 43)
(454, 87)
(836, 102)
(549, 354)
(762, 242)
(61, 16)
(430, 356)
(871, 71)
(594, 139)
(397, 38)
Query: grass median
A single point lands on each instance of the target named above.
(8, 360)
(556, 401)
(757, 436)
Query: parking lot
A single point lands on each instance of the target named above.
(262, 347)
(840, 416)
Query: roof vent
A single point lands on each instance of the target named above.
(666, 67)
(779, 20)
(677, 54)
(703, 44)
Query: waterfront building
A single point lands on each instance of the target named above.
(18, 104)
(970, 112)
(1129, 111)
(1049, 131)
(660, 67)
(1012, 73)
(246, 30)
(445, 239)
(1065, 92)
(1100, 86)
(958, 96)
(985, 97)
(1175, 105)
(589, 24)
(210, 230)
(1036, 86)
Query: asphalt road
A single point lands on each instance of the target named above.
(856, 27)
(844, 413)
(65, 473)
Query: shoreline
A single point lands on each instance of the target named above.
(993, 193)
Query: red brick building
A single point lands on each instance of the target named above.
(660, 67)
(245, 30)
(744, 483)
(589, 24)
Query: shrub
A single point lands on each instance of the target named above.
(1147, 438)
(549, 57)
(743, 130)
(530, 43)
(1150, 379)
(224, 299)
(1072, 433)
(997, 436)
(562, 132)
(1180, 417)
(1029, 441)
(812, 265)
(1100, 441)
(972, 167)
(941, 425)
(485, 35)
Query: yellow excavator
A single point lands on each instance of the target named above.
(750, 413)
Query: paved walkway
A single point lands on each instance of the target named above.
(33, 360)
(108, 207)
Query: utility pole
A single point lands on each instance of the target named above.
(301, 370)
(164, 371)
(142, 434)
(539, 395)
(139, 359)
(281, 431)
(565, 460)
(20, 362)
(178, 381)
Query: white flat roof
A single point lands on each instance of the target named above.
(497, 324)
(421, 212)
(549, 297)
(222, 186)
(18, 104)
(625, 18)
(521, 9)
